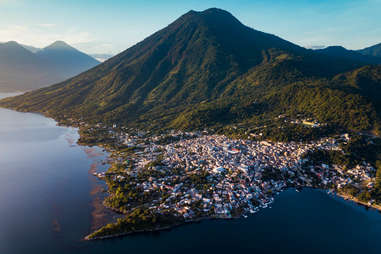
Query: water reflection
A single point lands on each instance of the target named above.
(49, 199)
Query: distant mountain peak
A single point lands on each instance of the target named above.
(24, 67)
(336, 48)
(13, 46)
(59, 45)
(14, 43)
(346, 54)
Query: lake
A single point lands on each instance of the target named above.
(47, 195)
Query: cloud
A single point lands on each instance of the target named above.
(39, 36)
(46, 25)
(11, 2)
(12, 32)
(314, 47)
(95, 46)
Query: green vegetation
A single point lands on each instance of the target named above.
(327, 157)
(295, 132)
(138, 220)
(270, 173)
(377, 188)
(359, 149)
(124, 194)
(95, 136)
(363, 148)
(207, 70)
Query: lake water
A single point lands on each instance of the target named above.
(47, 194)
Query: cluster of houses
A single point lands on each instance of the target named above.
(232, 176)
(359, 176)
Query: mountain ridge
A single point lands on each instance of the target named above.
(205, 69)
(65, 59)
(351, 55)
(59, 45)
(20, 66)
(374, 50)
(22, 69)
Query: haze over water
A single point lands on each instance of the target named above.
(46, 205)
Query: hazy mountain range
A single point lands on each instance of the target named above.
(25, 67)
(352, 55)
(372, 51)
(99, 57)
(207, 69)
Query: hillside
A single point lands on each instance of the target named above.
(65, 59)
(22, 69)
(350, 55)
(372, 51)
(207, 69)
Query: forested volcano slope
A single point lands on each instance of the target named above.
(207, 69)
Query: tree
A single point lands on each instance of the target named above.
(378, 179)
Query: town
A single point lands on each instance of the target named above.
(199, 175)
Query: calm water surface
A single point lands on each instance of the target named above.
(46, 205)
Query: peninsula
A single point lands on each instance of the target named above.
(161, 181)
(209, 118)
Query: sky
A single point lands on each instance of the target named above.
(111, 26)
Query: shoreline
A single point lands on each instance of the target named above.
(65, 124)
(359, 202)
(158, 229)
(196, 220)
